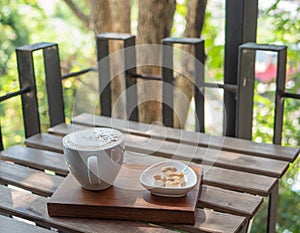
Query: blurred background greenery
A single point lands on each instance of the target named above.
(31, 21)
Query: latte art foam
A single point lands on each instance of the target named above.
(93, 139)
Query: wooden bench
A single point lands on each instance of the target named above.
(224, 188)
(27, 173)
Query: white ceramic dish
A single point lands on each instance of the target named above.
(146, 179)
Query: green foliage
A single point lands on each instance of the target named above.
(289, 198)
(179, 20)
(30, 21)
(214, 50)
(279, 26)
(27, 22)
(14, 32)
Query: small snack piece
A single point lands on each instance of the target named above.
(170, 178)
(159, 180)
(171, 182)
(178, 176)
(168, 170)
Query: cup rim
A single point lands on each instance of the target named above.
(95, 148)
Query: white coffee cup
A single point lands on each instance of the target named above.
(94, 156)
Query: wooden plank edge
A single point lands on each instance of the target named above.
(101, 121)
(17, 154)
(39, 141)
(9, 225)
(34, 209)
(204, 203)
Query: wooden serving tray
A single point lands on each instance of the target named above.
(127, 200)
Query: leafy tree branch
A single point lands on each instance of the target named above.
(79, 14)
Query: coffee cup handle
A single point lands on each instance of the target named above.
(93, 170)
(116, 155)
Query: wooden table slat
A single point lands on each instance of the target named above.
(29, 179)
(235, 171)
(39, 159)
(44, 141)
(224, 159)
(210, 196)
(229, 201)
(239, 181)
(33, 208)
(219, 177)
(207, 223)
(9, 225)
(195, 138)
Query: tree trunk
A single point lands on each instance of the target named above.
(155, 19)
(154, 23)
(121, 15)
(120, 10)
(101, 17)
(108, 16)
(113, 16)
(195, 20)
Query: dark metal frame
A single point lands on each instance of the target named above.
(242, 91)
(246, 77)
(168, 77)
(26, 72)
(102, 41)
(241, 25)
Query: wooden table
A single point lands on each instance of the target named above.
(237, 175)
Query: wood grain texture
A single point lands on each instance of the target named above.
(224, 200)
(46, 142)
(225, 178)
(219, 158)
(34, 208)
(63, 129)
(40, 159)
(219, 177)
(231, 172)
(193, 138)
(29, 179)
(238, 181)
(126, 199)
(9, 225)
(207, 223)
